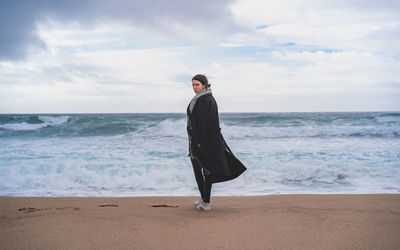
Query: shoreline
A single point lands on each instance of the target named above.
(276, 221)
(183, 196)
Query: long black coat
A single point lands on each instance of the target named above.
(207, 143)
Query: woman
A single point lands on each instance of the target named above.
(211, 157)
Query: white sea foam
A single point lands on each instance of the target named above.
(54, 120)
(23, 126)
(170, 128)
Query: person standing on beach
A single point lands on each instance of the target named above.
(211, 158)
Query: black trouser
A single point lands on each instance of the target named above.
(202, 183)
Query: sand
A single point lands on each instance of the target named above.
(247, 222)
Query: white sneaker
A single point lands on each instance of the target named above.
(203, 207)
(198, 202)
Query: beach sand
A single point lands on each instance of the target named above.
(235, 222)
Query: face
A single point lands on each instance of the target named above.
(197, 86)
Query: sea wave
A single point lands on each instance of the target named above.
(44, 121)
(22, 126)
(169, 128)
(54, 120)
(146, 154)
(242, 132)
(238, 126)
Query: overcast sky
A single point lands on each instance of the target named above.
(100, 56)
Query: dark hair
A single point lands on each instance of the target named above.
(201, 78)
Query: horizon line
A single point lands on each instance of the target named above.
(221, 112)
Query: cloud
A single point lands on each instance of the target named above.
(17, 31)
(342, 25)
(19, 20)
(145, 80)
(139, 56)
(158, 80)
(308, 81)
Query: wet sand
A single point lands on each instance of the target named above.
(244, 222)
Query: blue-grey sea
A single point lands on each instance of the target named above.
(146, 154)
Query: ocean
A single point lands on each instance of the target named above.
(146, 154)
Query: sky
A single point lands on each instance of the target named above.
(128, 56)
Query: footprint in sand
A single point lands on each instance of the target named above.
(108, 205)
(163, 205)
(62, 208)
(33, 209)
